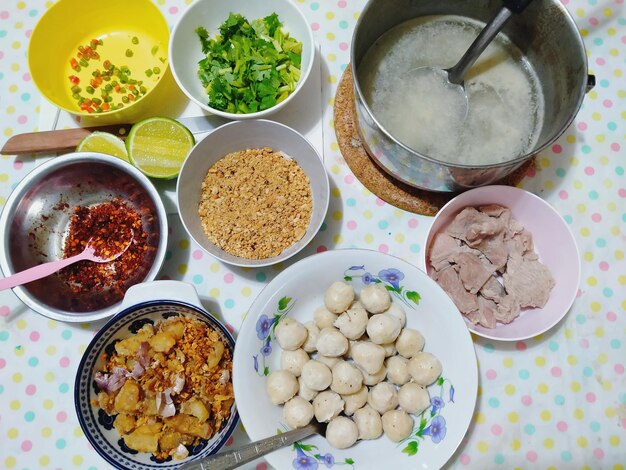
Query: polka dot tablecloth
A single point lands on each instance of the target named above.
(557, 401)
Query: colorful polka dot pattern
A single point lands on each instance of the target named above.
(557, 401)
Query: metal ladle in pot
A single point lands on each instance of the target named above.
(449, 83)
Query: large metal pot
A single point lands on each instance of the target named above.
(545, 33)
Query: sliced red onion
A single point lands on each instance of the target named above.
(102, 381)
(170, 409)
(181, 452)
(224, 377)
(117, 379)
(164, 403)
(137, 372)
(142, 354)
(179, 383)
(110, 383)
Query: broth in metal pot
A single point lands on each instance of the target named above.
(505, 103)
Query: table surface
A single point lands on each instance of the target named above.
(555, 401)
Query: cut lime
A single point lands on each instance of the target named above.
(158, 146)
(103, 142)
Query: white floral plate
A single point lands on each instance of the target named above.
(296, 292)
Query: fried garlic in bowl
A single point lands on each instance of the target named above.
(154, 389)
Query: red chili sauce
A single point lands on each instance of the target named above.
(107, 227)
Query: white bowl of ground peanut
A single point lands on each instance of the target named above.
(253, 193)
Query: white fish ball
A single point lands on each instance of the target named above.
(342, 432)
(305, 392)
(397, 370)
(413, 398)
(352, 342)
(281, 386)
(397, 425)
(310, 345)
(331, 342)
(316, 376)
(323, 317)
(354, 401)
(373, 379)
(390, 349)
(375, 298)
(368, 356)
(297, 412)
(338, 297)
(327, 405)
(353, 321)
(397, 311)
(347, 378)
(291, 334)
(329, 361)
(369, 422)
(292, 361)
(383, 328)
(424, 368)
(383, 397)
(409, 342)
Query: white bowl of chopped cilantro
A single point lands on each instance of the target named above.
(241, 59)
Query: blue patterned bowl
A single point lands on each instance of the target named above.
(144, 303)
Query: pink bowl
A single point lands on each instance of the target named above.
(554, 243)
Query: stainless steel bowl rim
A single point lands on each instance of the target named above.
(357, 87)
(23, 186)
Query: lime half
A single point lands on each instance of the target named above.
(158, 146)
(103, 142)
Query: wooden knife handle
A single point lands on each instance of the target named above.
(59, 141)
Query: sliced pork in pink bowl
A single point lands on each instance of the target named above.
(507, 259)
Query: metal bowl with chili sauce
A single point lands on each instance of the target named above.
(54, 212)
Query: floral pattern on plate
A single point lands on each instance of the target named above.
(265, 328)
(390, 278)
(431, 422)
(309, 458)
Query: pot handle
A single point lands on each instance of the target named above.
(591, 82)
(161, 290)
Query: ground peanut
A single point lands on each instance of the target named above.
(255, 203)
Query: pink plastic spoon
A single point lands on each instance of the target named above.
(43, 270)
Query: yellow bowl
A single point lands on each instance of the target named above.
(137, 26)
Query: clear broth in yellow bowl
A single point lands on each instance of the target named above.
(114, 70)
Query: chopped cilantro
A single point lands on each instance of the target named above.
(249, 66)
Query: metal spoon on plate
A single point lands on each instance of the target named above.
(449, 84)
(234, 458)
